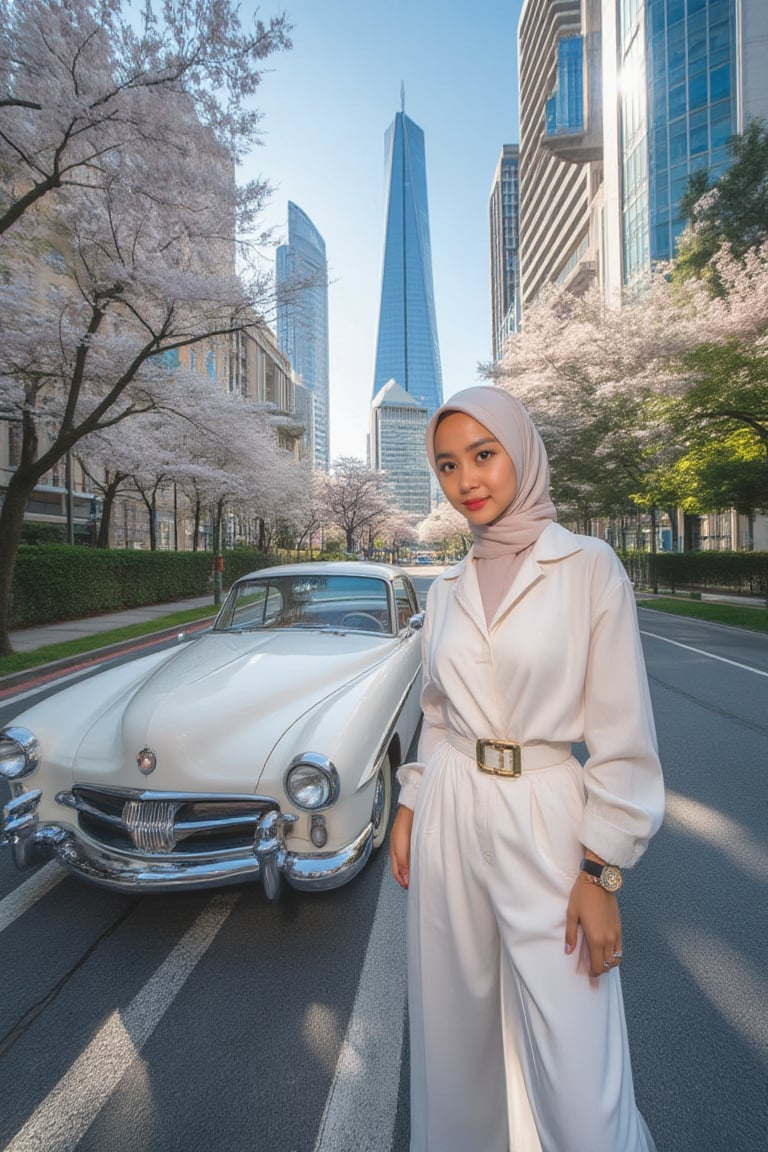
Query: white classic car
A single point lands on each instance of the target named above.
(262, 749)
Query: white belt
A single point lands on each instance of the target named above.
(507, 757)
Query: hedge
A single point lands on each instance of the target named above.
(54, 582)
(739, 572)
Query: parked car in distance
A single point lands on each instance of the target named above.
(264, 748)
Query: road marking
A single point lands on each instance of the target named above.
(701, 652)
(59, 1123)
(28, 893)
(361, 1107)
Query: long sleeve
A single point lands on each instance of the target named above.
(623, 779)
(433, 727)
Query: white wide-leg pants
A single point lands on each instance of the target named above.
(514, 1048)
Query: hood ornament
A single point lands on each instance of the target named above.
(147, 761)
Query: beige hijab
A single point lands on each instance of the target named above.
(501, 547)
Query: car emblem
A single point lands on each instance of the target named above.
(147, 761)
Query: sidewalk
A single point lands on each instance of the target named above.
(27, 639)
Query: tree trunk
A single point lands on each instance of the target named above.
(108, 502)
(11, 526)
(153, 523)
(196, 533)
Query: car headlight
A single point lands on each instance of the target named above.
(311, 781)
(19, 752)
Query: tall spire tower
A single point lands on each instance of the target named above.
(407, 349)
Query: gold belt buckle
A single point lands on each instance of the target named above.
(502, 747)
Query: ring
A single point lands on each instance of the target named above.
(618, 955)
(607, 964)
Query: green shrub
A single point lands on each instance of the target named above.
(63, 582)
(34, 533)
(740, 572)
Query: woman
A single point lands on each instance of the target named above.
(511, 850)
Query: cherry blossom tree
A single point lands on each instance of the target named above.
(620, 394)
(397, 529)
(118, 155)
(82, 81)
(446, 529)
(355, 498)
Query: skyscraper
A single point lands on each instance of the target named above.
(619, 105)
(504, 226)
(302, 317)
(407, 348)
(554, 190)
(398, 427)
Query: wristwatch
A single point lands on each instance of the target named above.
(608, 876)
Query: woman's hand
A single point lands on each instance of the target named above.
(597, 911)
(400, 845)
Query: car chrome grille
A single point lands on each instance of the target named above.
(166, 823)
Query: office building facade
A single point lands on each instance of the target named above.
(621, 101)
(504, 234)
(556, 128)
(407, 348)
(398, 428)
(302, 318)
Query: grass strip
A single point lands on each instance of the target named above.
(21, 661)
(735, 615)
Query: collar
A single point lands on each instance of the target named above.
(554, 543)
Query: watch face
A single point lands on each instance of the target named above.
(611, 878)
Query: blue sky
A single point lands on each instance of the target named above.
(326, 105)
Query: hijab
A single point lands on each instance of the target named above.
(501, 547)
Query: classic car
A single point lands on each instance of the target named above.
(264, 748)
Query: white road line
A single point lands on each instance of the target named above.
(19, 901)
(362, 1104)
(62, 1119)
(701, 652)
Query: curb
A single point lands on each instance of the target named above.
(41, 673)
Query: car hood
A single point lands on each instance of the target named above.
(213, 712)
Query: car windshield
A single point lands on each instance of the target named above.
(336, 603)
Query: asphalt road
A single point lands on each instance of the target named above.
(223, 1022)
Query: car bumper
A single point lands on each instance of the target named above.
(269, 860)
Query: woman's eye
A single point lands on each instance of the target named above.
(485, 454)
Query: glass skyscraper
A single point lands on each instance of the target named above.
(302, 317)
(407, 348)
(691, 67)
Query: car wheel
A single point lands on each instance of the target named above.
(382, 803)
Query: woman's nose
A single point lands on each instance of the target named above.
(467, 480)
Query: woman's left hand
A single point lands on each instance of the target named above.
(597, 911)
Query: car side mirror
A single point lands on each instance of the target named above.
(416, 622)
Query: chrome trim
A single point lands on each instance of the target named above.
(416, 621)
(18, 814)
(384, 746)
(321, 762)
(29, 745)
(121, 872)
(150, 824)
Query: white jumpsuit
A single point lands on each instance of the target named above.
(513, 1046)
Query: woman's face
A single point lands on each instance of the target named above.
(476, 474)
